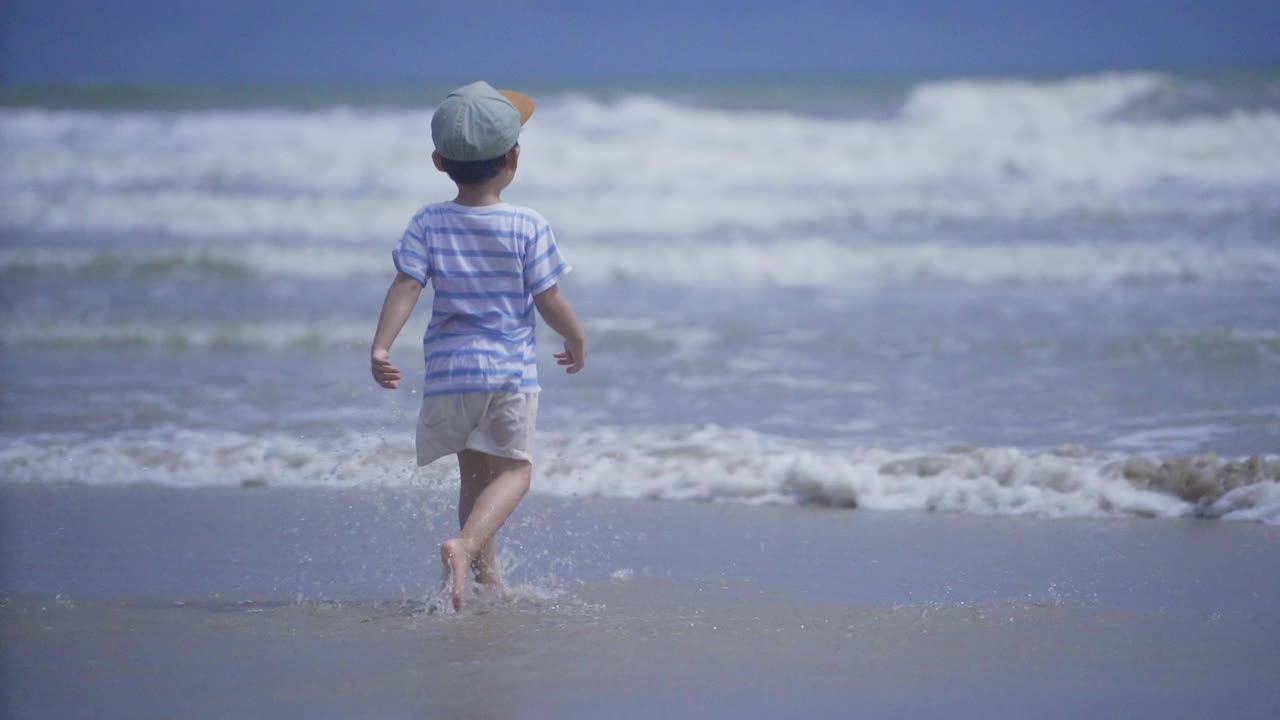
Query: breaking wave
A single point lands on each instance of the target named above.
(797, 262)
(640, 165)
(711, 464)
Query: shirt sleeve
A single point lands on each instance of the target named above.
(411, 256)
(543, 264)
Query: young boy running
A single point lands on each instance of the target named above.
(491, 264)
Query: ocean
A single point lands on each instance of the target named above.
(951, 398)
(1048, 297)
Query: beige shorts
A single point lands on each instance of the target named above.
(498, 423)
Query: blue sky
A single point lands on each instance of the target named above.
(398, 42)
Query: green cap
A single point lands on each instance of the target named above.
(477, 122)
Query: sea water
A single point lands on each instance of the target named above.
(1045, 297)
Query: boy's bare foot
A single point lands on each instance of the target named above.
(492, 581)
(492, 587)
(456, 558)
(486, 574)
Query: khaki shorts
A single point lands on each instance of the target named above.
(498, 423)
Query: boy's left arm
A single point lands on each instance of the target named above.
(402, 296)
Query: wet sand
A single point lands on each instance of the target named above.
(151, 602)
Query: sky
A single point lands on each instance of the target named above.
(402, 42)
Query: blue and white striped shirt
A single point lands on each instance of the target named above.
(485, 264)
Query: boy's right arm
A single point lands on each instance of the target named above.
(396, 308)
(556, 310)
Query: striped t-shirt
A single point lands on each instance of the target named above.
(485, 264)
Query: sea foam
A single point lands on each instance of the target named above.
(709, 463)
(646, 166)
(801, 260)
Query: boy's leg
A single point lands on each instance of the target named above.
(507, 483)
(474, 469)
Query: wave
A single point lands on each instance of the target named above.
(225, 260)
(710, 464)
(27, 332)
(646, 166)
(814, 261)
(1217, 348)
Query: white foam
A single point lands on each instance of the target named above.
(314, 261)
(707, 464)
(715, 464)
(18, 330)
(181, 457)
(1071, 102)
(1258, 503)
(817, 262)
(813, 261)
(269, 335)
(642, 166)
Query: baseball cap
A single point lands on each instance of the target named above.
(477, 122)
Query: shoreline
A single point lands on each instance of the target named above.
(148, 542)
(147, 602)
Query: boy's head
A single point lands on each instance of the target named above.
(476, 130)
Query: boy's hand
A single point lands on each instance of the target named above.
(384, 371)
(574, 357)
(558, 313)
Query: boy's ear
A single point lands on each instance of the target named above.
(438, 159)
(513, 157)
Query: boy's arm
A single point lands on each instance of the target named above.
(396, 308)
(556, 310)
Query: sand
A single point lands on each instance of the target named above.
(147, 602)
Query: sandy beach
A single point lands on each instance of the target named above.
(145, 602)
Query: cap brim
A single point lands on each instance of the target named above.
(523, 103)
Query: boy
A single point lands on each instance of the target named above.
(491, 264)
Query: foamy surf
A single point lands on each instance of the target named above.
(986, 261)
(802, 260)
(709, 464)
(952, 151)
